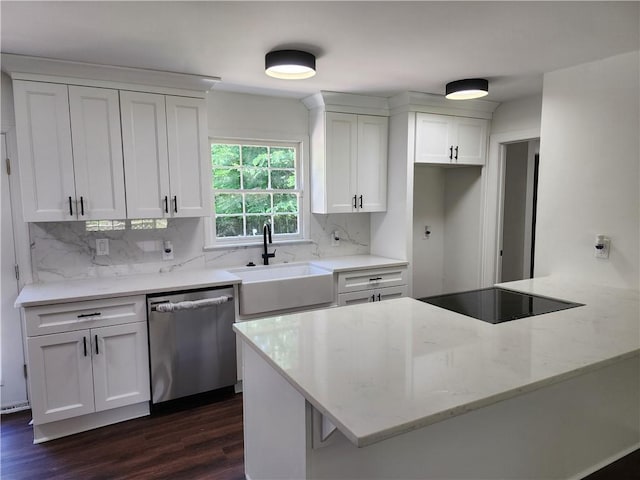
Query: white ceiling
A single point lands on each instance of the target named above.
(377, 48)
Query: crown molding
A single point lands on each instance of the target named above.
(25, 67)
(430, 103)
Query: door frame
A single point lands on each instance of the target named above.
(493, 173)
(533, 149)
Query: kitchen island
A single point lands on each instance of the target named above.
(403, 389)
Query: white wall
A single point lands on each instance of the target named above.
(462, 228)
(517, 115)
(589, 175)
(428, 209)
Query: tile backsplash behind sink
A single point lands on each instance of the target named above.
(66, 250)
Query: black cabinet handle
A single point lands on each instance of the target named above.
(360, 201)
(94, 314)
(456, 156)
(81, 205)
(166, 204)
(451, 152)
(84, 344)
(70, 207)
(373, 298)
(375, 279)
(379, 299)
(355, 201)
(97, 352)
(175, 204)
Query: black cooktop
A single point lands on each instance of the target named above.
(496, 305)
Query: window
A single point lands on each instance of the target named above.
(255, 183)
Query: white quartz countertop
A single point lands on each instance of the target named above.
(93, 288)
(101, 287)
(381, 369)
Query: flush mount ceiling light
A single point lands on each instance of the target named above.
(290, 64)
(467, 89)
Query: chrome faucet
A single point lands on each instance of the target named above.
(266, 230)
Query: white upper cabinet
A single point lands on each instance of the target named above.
(97, 153)
(189, 156)
(165, 155)
(43, 133)
(144, 142)
(444, 139)
(70, 152)
(348, 163)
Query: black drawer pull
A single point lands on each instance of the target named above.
(97, 352)
(175, 204)
(166, 204)
(360, 201)
(70, 207)
(81, 205)
(84, 344)
(375, 279)
(451, 152)
(355, 201)
(456, 156)
(94, 314)
(379, 299)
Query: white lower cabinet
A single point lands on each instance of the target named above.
(87, 370)
(374, 285)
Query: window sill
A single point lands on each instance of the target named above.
(229, 246)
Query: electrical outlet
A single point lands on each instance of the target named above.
(335, 239)
(102, 246)
(167, 250)
(603, 245)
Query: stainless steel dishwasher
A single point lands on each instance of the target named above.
(192, 347)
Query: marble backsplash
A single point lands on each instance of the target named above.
(65, 250)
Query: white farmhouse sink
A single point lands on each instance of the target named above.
(283, 286)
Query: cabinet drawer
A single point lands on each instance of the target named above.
(67, 317)
(374, 295)
(368, 279)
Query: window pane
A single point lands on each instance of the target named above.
(258, 203)
(255, 156)
(226, 178)
(283, 157)
(255, 224)
(283, 179)
(225, 155)
(285, 202)
(285, 224)
(228, 203)
(229, 226)
(255, 178)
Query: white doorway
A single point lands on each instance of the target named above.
(13, 388)
(519, 167)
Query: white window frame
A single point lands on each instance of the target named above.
(302, 179)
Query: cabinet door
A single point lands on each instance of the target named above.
(341, 161)
(388, 293)
(120, 365)
(472, 141)
(60, 376)
(44, 150)
(189, 157)
(435, 138)
(146, 165)
(372, 163)
(97, 153)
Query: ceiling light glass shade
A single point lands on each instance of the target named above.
(290, 64)
(467, 89)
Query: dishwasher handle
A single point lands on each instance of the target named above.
(166, 307)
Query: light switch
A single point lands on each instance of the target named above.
(102, 246)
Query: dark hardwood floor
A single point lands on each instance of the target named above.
(202, 442)
(199, 442)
